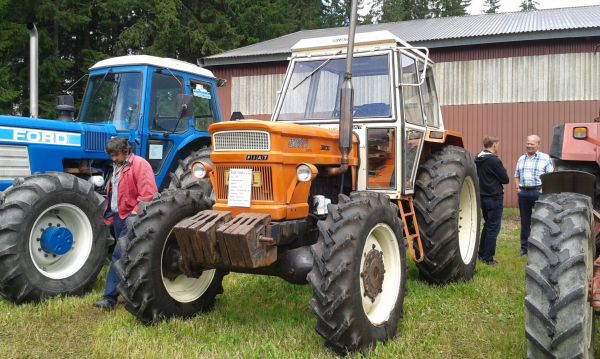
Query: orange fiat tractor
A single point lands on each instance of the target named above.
(563, 267)
(354, 164)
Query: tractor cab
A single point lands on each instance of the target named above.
(163, 103)
(164, 106)
(395, 102)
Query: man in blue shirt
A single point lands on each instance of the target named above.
(530, 167)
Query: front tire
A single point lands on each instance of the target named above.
(559, 320)
(447, 208)
(151, 283)
(52, 237)
(359, 272)
(182, 177)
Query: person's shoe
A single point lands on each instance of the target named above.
(105, 304)
(493, 262)
(522, 253)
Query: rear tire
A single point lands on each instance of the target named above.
(36, 264)
(151, 285)
(447, 207)
(359, 272)
(591, 168)
(559, 320)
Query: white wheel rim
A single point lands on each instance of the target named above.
(186, 289)
(467, 221)
(382, 238)
(75, 220)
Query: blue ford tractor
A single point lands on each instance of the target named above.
(52, 172)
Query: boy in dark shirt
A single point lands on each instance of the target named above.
(492, 175)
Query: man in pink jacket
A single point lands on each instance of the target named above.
(130, 185)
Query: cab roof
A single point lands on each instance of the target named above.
(367, 41)
(171, 64)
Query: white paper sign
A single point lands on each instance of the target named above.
(240, 187)
(155, 152)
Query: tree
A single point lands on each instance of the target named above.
(336, 13)
(75, 34)
(492, 6)
(444, 8)
(529, 5)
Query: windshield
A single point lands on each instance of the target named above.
(113, 98)
(313, 91)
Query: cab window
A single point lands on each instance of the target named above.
(410, 94)
(430, 100)
(204, 114)
(163, 108)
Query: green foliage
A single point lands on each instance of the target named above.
(529, 5)
(400, 10)
(443, 8)
(492, 6)
(73, 35)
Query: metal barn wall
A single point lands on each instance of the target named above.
(512, 122)
(255, 91)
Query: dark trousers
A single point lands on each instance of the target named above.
(112, 280)
(527, 200)
(491, 208)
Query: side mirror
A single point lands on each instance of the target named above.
(221, 82)
(65, 107)
(185, 106)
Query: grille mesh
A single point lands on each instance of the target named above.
(241, 141)
(14, 162)
(262, 193)
(95, 141)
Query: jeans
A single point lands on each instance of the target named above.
(112, 280)
(527, 200)
(491, 208)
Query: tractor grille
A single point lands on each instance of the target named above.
(14, 162)
(262, 193)
(95, 141)
(241, 141)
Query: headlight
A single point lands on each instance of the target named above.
(580, 133)
(303, 173)
(199, 170)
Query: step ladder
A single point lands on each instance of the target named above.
(407, 213)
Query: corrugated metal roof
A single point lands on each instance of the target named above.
(442, 32)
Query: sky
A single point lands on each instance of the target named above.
(477, 6)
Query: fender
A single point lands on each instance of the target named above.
(203, 138)
(569, 181)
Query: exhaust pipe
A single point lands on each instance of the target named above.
(347, 100)
(33, 70)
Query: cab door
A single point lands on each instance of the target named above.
(413, 120)
(163, 129)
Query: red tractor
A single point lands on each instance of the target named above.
(563, 266)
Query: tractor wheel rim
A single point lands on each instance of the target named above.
(379, 304)
(467, 221)
(60, 266)
(182, 288)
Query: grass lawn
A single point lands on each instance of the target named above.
(260, 317)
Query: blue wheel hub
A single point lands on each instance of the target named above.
(56, 240)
